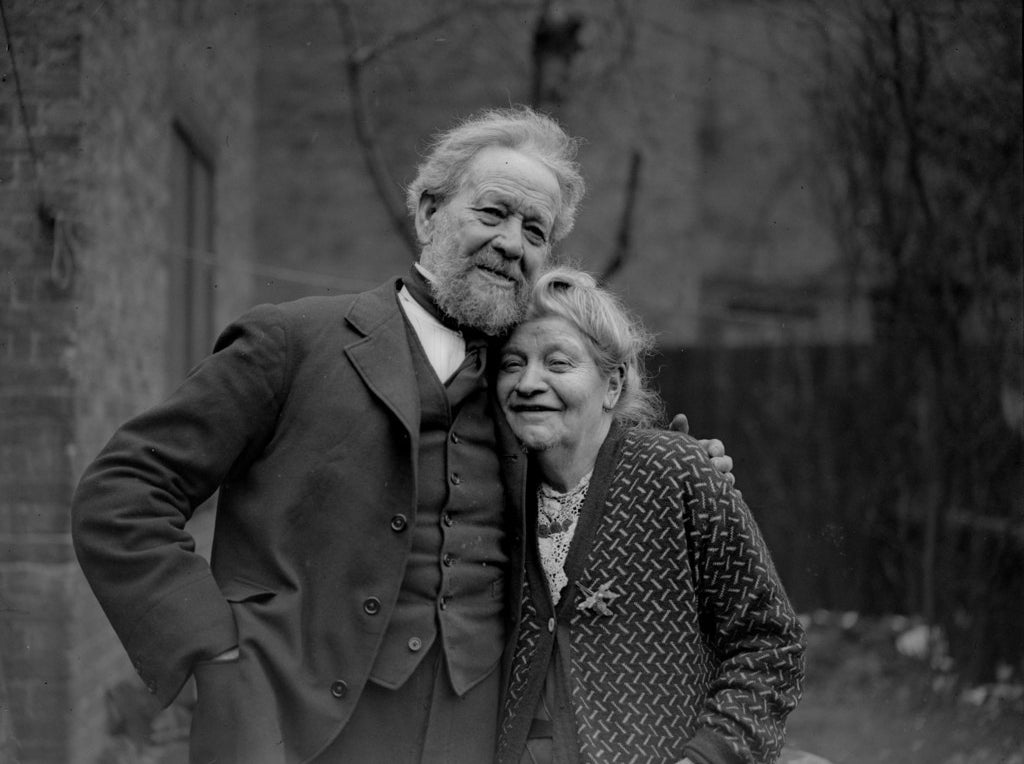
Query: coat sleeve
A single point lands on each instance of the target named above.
(751, 627)
(129, 511)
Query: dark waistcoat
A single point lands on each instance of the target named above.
(453, 588)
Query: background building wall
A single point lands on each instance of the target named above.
(84, 314)
(711, 96)
(37, 403)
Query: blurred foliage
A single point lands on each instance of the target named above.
(872, 696)
(919, 112)
(818, 460)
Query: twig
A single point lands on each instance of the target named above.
(624, 235)
(366, 130)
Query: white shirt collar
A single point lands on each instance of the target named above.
(445, 348)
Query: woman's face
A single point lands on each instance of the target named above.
(551, 390)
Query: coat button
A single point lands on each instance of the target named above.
(448, 559)
(455, 478)
(339, 689)
(399, 523)
(415, 643)
(551, 624)
(447, 519)
(371, 605)
(455, 437)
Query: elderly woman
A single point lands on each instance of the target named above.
(654, 626)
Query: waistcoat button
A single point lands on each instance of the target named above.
(455, 478)
(371, 605)
(448, 559)
(551, 624)
(399, 523)
(415, 643)
(447, 519)
(339, 689)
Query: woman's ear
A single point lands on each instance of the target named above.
(425, 212)
(616, 381)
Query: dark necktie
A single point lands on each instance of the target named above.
(470, 374)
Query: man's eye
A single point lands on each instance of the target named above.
(491, 215)
(537, 236)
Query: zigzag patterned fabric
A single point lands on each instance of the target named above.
(701, 639)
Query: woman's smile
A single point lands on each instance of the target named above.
(534, 408)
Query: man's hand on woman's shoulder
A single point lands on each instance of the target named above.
(714, 448)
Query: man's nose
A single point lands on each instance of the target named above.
(509, 241)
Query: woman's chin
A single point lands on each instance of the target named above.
(535, 441)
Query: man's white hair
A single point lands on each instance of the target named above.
(521, 128)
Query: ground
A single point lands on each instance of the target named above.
(867, 701)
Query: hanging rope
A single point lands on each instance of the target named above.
(53, 227)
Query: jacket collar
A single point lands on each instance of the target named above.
(374, 307)
(382, 356)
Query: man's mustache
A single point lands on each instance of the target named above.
(497, 264)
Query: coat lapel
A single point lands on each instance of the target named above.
(382, 357)
(591, 514)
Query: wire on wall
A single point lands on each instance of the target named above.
(53, 227)
(20, 93)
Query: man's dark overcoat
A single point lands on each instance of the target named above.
(306, 418)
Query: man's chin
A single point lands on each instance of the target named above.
(493, 311)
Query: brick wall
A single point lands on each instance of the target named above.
(36, 388)
(84, 302)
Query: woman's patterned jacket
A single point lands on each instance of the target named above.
(693, 649)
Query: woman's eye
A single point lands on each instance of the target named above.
(510, 364)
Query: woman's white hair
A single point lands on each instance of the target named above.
(522, 129)
(616, 337)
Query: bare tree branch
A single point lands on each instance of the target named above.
(538, 55)
(367, 52)
(366, 131)
(903, 98)
(624, 236)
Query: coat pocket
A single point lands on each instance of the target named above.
(236, 590)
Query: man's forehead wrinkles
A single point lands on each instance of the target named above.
(524, 198)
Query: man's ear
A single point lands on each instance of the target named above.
(425, 212)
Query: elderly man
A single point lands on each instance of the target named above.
(369, 524)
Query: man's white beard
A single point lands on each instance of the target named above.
(492, 309)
